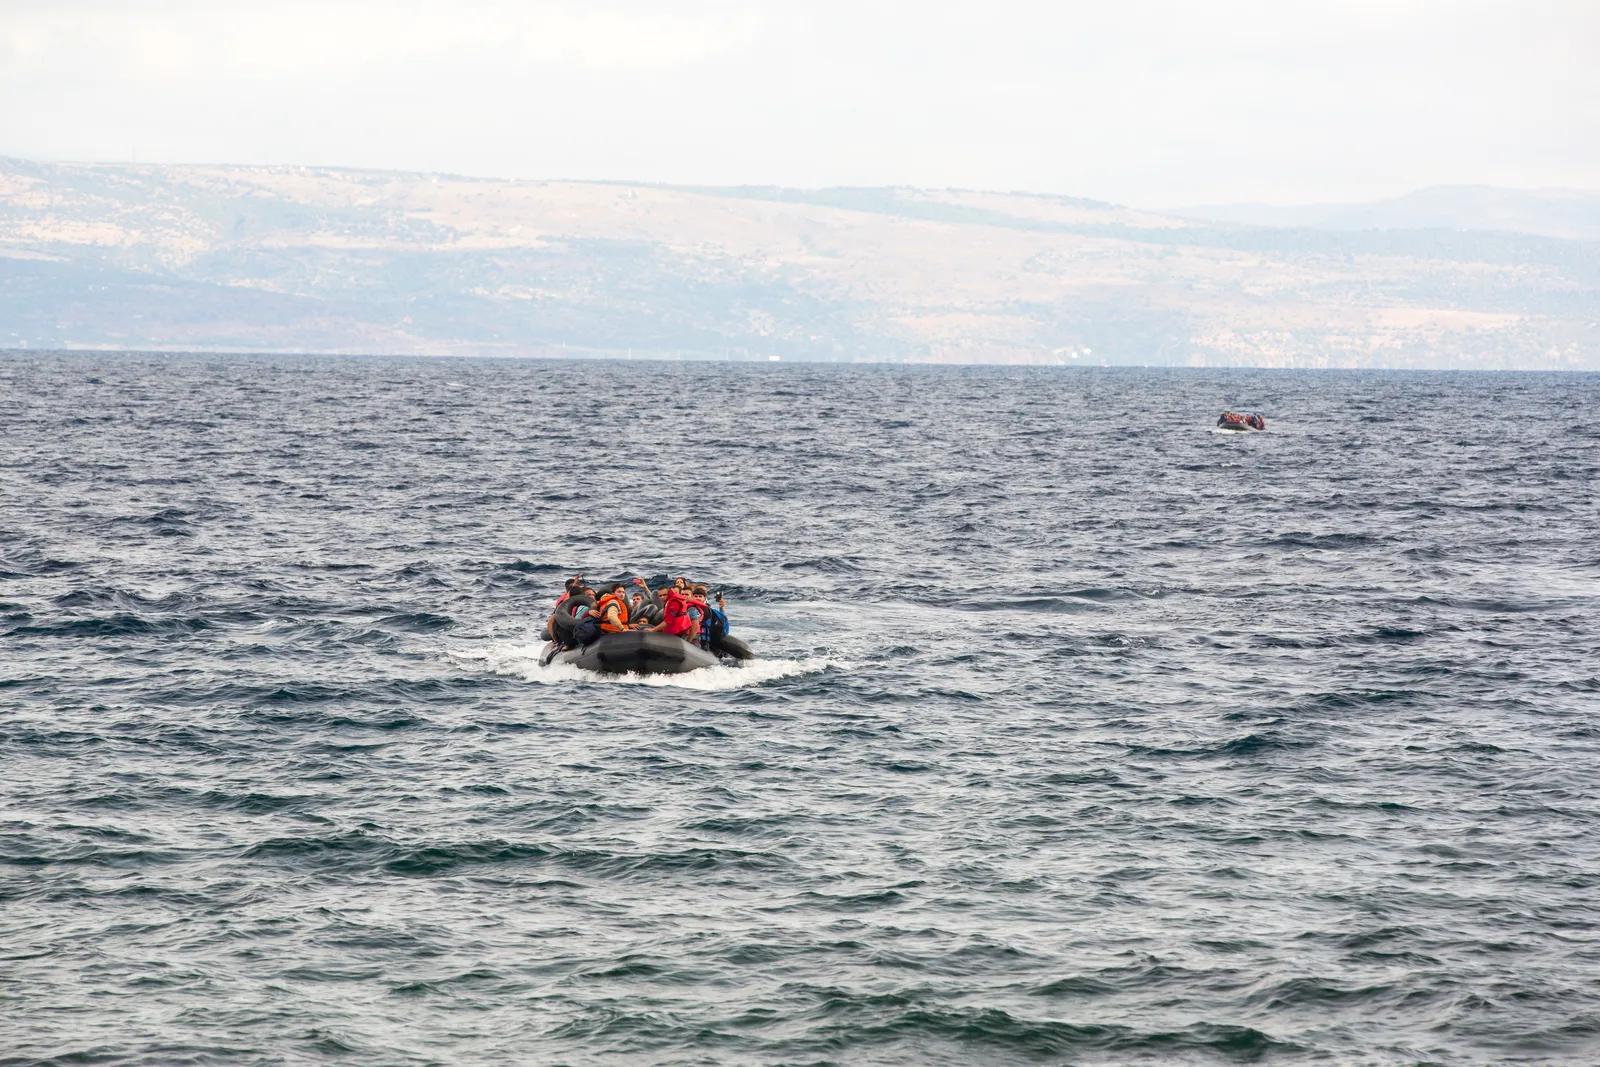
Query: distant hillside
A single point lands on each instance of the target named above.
(1544, 212)
(291, 258)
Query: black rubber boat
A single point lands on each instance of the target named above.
(1241, 421)
(645, 652)
(634, 651)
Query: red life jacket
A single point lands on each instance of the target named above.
(675, 613)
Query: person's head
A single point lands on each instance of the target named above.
(588, 591)
(700, 591)
(618, 588)
(573, 585)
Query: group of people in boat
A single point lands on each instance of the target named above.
(683, 609)
(1240, 420)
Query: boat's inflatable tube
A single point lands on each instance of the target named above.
(562, 624)
(636, 652)
(732, 647)
(563, 621)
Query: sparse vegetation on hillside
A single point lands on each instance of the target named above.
(291, 258)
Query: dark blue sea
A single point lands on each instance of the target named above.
(1081, 733)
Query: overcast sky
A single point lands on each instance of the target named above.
(1149, 103)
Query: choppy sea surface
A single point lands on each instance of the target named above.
(1081, 733)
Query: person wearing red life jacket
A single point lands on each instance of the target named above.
(676, 620)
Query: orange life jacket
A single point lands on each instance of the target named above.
(606, 625)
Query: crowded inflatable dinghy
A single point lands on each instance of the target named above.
(1243, 421)
(630, 628)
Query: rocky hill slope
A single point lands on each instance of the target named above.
(301, 259)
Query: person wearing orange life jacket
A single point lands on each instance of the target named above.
(612, 608)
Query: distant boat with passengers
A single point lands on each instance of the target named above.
(632, 628)
(1242, 421)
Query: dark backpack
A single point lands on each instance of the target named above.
(587, 630)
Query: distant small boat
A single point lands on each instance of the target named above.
(1243, 421)
(637, 651)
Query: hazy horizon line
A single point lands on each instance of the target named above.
(799, 187)
(246, 353)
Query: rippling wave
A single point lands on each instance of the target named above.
(1080, 733)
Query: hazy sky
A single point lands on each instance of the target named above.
(1150, 103)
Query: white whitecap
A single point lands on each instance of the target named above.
(520, 659)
